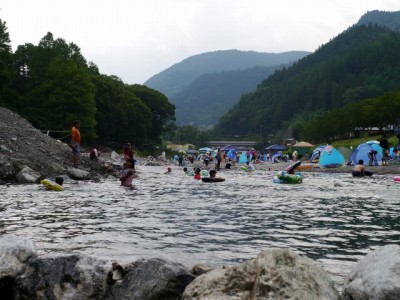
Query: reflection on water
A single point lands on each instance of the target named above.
(332, 218)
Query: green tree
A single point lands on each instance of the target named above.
(7, 96)
(120, 113)
(162, 111)
(55, 86)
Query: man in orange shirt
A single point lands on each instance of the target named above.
(76, 142)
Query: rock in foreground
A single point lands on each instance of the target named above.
(274, 274)
(375, 277)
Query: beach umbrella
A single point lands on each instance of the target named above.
(228, 147)
(303, 145)
(190, 151)
(276, 148)
(205, 149)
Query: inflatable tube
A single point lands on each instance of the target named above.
(291, 168)
(396, 178)
(203, 173)
(190, 173)
(209, 179)
(283, 177)
(52, 186)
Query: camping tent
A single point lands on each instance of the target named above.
(317, 153)
(376, 146)
(331, 158)
(346, 152)
(361, 152)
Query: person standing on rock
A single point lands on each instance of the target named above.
(76, 143)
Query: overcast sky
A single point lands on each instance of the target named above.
(136, 39)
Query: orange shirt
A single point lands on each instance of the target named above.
(75, 135)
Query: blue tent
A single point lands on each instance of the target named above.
(232, 154)
(375, 145)
(317, 153)
(361, 152)
(243, 158)
(276, 156)
(331, 158)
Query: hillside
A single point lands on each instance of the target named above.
(176, 78)
(23, 145)
(211, 95)
(387, 19)
(362, 62)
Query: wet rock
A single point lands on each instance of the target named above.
(78, 174)
(152, 279)
(274, 274)
(74, 277)
(376, 276)
(200, 269)
(27, 175)
(14, 253)
(4, 148)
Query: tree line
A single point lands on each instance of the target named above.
(51, 84)
(351, 120)
(361, 63)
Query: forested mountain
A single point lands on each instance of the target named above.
(387, 19)
(176, 78)
(51, 84)
(362, 62)
(209, 96)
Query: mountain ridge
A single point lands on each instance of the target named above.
(174, 79)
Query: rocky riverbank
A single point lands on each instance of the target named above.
(273, 274)
(27, 149)
(23, 147)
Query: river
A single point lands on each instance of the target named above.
(332, 218)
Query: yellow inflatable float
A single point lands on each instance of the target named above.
(52, 186)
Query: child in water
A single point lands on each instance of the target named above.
(197, 174)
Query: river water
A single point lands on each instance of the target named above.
(332, 218)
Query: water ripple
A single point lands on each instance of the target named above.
(332, 218)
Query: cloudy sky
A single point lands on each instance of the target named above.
(136, 39)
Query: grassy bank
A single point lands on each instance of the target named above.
(353, 143)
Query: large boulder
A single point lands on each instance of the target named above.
(74, 277)
(376, 276)
(14, 253)
(154, 278)
(78, 174)
(27, 175)
(274, 274)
